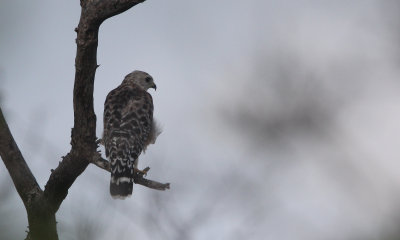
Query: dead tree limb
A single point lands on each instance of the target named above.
(23, 179)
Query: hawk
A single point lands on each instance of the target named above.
(128, 129)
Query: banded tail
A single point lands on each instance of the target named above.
(122, 169)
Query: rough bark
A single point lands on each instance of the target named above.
(23, 179)
(41, 206)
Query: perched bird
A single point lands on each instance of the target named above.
(128, 129)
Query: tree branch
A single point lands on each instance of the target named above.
(83, 136)
(23, 179)
(100, 10)
(138, 178)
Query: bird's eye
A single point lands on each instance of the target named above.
(148, 79)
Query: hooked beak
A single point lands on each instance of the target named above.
(154, 86)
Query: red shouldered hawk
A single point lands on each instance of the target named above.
(128, 129)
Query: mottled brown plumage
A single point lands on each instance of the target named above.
(128, 129)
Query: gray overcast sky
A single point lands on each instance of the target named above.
(242, 89)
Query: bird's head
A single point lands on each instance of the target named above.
(141, 79)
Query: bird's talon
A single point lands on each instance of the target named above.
(99, 141)
(142, 172)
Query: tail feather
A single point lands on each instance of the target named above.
(121, 190)
(121, 165)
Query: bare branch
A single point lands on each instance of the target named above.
(23, 179)
(138, 178)
(100, 10)
(83, 135)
